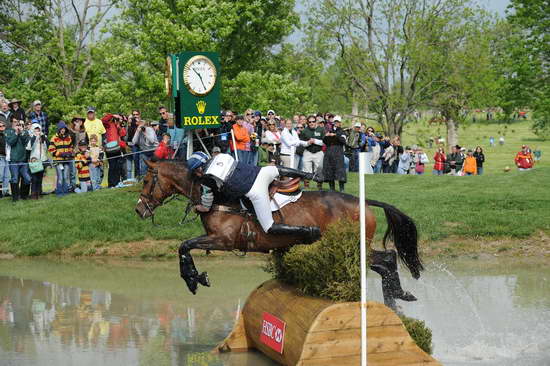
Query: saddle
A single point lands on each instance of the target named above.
(288, 187)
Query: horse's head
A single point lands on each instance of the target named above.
(163, 179)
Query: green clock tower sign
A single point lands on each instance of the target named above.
(193, 83)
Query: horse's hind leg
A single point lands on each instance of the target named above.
(188, 271)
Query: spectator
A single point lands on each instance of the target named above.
(299, 151)
(390, 155)
(439, 162)
(273, 140)
(329, 122)
(313, 154)
(133, 159)
(384, 144)
(333, 160)
(96, 155)
(405, 161)
(77, 132)
(114, 146)
(94, 126)
(5, 113)
(491, 141)
(355, 143)
(146, 139)
(178, 140)
(470, 164)
(61, 148)
(256, 137)
(420, 160)
(289, 142)
(158, 133)
(83, 163)
(39, 116)
(398, 151)
(17, 139)
(524, 159)
(163, 121)
(480, 159)
(38, 147)
(375, 151)
(224, 132)
(164, 150)
(501, 140)
(4, 166)
(242, 139)
(16, 111)
(455, 160)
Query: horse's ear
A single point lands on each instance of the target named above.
(149, 163)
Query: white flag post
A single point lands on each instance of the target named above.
(362, 213)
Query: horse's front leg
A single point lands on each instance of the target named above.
(188, 271)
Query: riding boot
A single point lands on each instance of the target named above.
(331, 185)
(14, 191)
(310, 233)
(189, 273)
(341, 186)
(293, 173)
(387, 269)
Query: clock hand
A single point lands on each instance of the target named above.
(200, 77)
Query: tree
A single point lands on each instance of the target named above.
(530, 19)
(391, 49)
(263, 91)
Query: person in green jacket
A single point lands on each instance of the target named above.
(17, 138)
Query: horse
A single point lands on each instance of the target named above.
(228, 227)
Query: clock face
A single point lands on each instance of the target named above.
(199, 75)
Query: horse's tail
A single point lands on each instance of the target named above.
(402, 230)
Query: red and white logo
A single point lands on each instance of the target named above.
(273, 332)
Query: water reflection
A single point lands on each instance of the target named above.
(82, 313)
(50, 323)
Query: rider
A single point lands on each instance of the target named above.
(235, 179)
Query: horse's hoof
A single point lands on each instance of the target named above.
(407, 296)
(192, 285)
(204, 280)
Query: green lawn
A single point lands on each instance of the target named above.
(496, 205)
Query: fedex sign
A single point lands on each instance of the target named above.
(273, 332)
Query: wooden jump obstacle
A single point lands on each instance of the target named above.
(319, 332)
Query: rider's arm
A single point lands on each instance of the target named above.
(207, 197)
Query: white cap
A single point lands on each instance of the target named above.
(36, 125)
(337, 118)
(357, 124)
(36, 102)
(271, 111)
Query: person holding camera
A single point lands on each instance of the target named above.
(61, 148)
(333, 159)
(146, 140)
(4, 165)
(114, 147)
(17, 139)
(405, 161)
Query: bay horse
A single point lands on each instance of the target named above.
(228, 227)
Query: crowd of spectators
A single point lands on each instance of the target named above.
(86, 149)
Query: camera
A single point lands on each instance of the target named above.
(142, 128)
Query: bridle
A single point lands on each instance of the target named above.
(149, 200)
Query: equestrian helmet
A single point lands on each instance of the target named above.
(197, 160)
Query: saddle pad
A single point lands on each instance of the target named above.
(281, 200)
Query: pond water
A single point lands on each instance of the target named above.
(140, 313)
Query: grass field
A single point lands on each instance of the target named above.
(497, 205)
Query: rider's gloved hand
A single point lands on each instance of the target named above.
(201, 209)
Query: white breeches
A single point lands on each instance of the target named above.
(259, 195)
